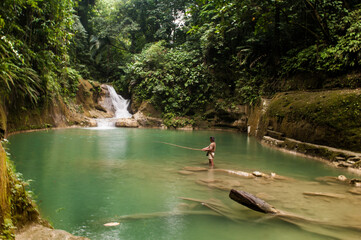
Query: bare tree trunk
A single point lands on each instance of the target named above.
(252, 202)
(320, 21)
(277, 34)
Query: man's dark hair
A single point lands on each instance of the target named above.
(212, 139)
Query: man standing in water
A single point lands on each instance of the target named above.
(210, 151)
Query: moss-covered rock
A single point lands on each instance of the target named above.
(329, 118)
(57, 112)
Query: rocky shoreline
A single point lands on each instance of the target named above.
(335, 157)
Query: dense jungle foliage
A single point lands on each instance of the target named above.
(183, 55)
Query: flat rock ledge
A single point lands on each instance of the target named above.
(39, 232)
(337, 157)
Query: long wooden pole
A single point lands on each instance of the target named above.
(175, 145)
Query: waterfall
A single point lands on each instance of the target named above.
(116, 104)
(120, 104)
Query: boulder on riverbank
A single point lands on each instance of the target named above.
(147, 116)
(92, 123)
(147, 121)
(127, 122)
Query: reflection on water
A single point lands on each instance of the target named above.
(84, 178)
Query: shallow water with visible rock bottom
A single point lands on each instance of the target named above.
(85, 178)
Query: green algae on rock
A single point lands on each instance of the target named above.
(328, 118)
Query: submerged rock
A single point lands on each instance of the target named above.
(355, 191)
(238, 173)
(111, 224)
(39, 232)
(342, 178)
(195, 169)
(279, 177)
(344, 164)
(214, 184)
(356, 182)
(357, 164)
(185, 172)
(258, 174)
(330, 179)
(219, 184)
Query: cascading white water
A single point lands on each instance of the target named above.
(117, 104)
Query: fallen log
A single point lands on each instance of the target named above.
(338, 231)
(252, 202)
(320, 194)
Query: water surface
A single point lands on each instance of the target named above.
(83, 178)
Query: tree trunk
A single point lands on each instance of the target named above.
(252, 202)
(322, 22)
(277, 35)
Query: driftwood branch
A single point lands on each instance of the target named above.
(252, 202)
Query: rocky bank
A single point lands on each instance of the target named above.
(321, 124)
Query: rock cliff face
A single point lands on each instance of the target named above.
(324, 124)
(330, 118)
(56, 113)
